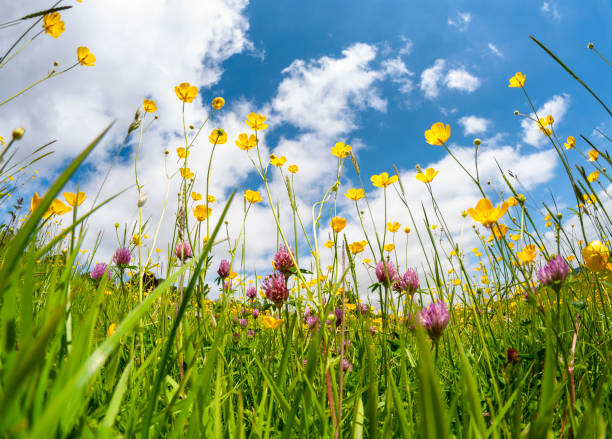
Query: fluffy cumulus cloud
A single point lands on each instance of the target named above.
(435, 76)
(431, 77)
(556, 107)
(461, 79)
(474, 124)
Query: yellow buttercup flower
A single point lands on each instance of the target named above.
(337, 224)
(85, 57)
(218, 136)
(58, 207)
(195, 196)
(74, 200)
(593, 155)
(218, 103)
(393, 227)
(406, 230)
(570, 142)
(149, 106)
(512, 201)
(595, 255)
(428, 176)
(186, 173)
(486, 214)
(517, 80)
(293, 169)
(53, 24)
(270, 322)
(355, 194)
(357, 246)
(201, 212)
(186, 92)
(256, 121)
(438, 134)
(111, 329)
(389, 247)
(550, 120)
(252, 196)
(211, 198)
(329, 244)
(35, 201)
(1, 140)
(499, 230)
(182, 152)
(383, 180)
(136, 240)
(528, 254)
(246, 142)
(277, 161)
(341, 150)
(593, 176)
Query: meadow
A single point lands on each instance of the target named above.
(515, 345)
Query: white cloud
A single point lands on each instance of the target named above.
(431, 77)
(557, 107)
(397, 71)
(460, 79)
(474, 124)
(551, 10)
(495, 50)
(406, 49)
(461, 22)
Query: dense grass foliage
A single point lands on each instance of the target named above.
(205, 348)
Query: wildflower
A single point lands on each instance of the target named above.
(438, 134)
(282, 261)
(218, 136)
(386, 273)
(35, 201)
(2, 141)
(136, 240)
(570, 142)
(218, 103)
(337, 224)
(593, 155)
(186, 92)
(554, 272)
(383, 180)
(393, 227)
(271, 323)
(363, 308)
(98, 271)
(122, 257)
(528, 254)
(408, 283)
(329, 244)
(182, 152)
(357, 246)
(149, 106)
(252, 196)
(312, 321)
(186, 173)
(85, 57)
(435, 319)
(195, 196)
(593, 176)
(595, 255)
(211, 198)
(251, 292)
(53, 24)
(58, 207)
(293, 169)
(183, 251)
(74, 200)
(255, 313)
(389, 247)
(18, 134)
(517, 80)
(246, 142)
(111, 329)
(355, 194)
(499, 230)
(275, 288)
(406, 230)
(243, 322)
(428, 176)
(346, 365)
(256, 122)
(341, 150)
(201, 212)
(512, 201)
(224, 269)
(277, 161)
(339, 316)
(485, 213)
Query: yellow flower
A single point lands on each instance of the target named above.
(293, 169)
(218, 103)
(74, 200)
(329, 244)
(549, 119)
(595, 255)
(85, 57)
(35, 201)
(186, 173)
(512, 201)
(486, 214)
(593, 155)
(383, 180)
(186, 92)
(201, 213)
(256, 122)
(547, 217)
(341, 150)
(271, 323)
(570, 258)
(252, 196)
(393, 227)
(593, 176)
(528, 254)
(517, 80)
(357, 246)
(438, 134)
(246, 142)
(182, 152)
(111, 329)
(277, 161)
(366, 260)
(406, 230)
(499, 230)
(337, 224)
(570, 142)
(53, 24)
(58, 207)
(355, 194)
(149, 106)
(389, 247)
(196, 196)
(457, 282)
(1, 140)
(428, 176)
(218, 136)
(158, 250)
(211, 198)
(136, 240)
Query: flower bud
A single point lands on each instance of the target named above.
(516, 113)
(590, 45)
(142, 200)
(477, 142)
(18, 133)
